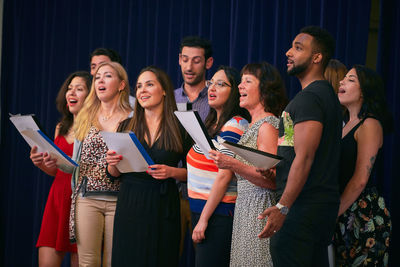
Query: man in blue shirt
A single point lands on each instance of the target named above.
(195, 58)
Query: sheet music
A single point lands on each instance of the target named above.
(135, 158)
(193, 124)
(260, 159)
(30, 131)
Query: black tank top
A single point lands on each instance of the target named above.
(348, 158)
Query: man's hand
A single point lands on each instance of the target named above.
(274, 221)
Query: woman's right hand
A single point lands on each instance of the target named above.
(221, 160)
(199, 230)
(113, 158)
(37, 158)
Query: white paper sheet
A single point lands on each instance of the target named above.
(194, 126)
(30, 131)
(134, 157)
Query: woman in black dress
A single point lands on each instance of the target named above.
(147, 217)
(364, 225)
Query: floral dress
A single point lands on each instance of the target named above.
(363, 230)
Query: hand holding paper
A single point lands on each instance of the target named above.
(113, 159)
(133, 157)
(37, 158)
(221, 160)
(49, 162)
(30, 131)
(160, 171)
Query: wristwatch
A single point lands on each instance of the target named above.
(283, 209)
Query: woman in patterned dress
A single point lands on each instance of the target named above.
(262, 93)
(364, 226)
(53, 241)
(94, 195)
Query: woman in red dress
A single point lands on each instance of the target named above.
(53, 242)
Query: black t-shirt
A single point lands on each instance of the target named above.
(316, 102)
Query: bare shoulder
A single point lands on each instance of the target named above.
(267, 139)
(57, 131)
(267, 129)
(371, 123)
(370, 131)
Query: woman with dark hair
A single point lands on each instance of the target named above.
(364, 226)
(53, 242)
(212, 192)
(147, 217)
(262, 93)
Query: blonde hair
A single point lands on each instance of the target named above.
(87, 116)
(334, 73)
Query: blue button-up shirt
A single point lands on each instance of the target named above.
(200, 103)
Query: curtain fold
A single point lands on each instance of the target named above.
(44, 41)
(389, 68)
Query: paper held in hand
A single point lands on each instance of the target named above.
(30, 131)
(135, 158)
(193, 124)
(258, 158)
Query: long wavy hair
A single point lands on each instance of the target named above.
(231, 107)
(373, 95)
(272, 89)
(87, 116)
(170, 137)
(67, 118)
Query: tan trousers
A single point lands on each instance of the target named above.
(94, 223)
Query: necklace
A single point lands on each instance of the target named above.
(106, 118)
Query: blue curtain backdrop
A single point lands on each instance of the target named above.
(389, 67)
(44, 41)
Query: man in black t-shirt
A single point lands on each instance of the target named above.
(301, 225)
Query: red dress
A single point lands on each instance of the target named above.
(54, 230)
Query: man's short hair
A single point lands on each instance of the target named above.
(323, 42)
(196, 41)
(112, 54)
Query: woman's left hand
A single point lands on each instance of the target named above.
(48, 161)
(198, 232)
(268, 174)
(160, 171)
(221, 160)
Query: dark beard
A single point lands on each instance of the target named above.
(296, 70)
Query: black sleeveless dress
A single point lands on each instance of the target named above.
(147, 217)
(363, 230)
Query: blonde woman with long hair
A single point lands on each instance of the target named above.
(94, 194)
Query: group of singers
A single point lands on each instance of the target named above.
(322, 191)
